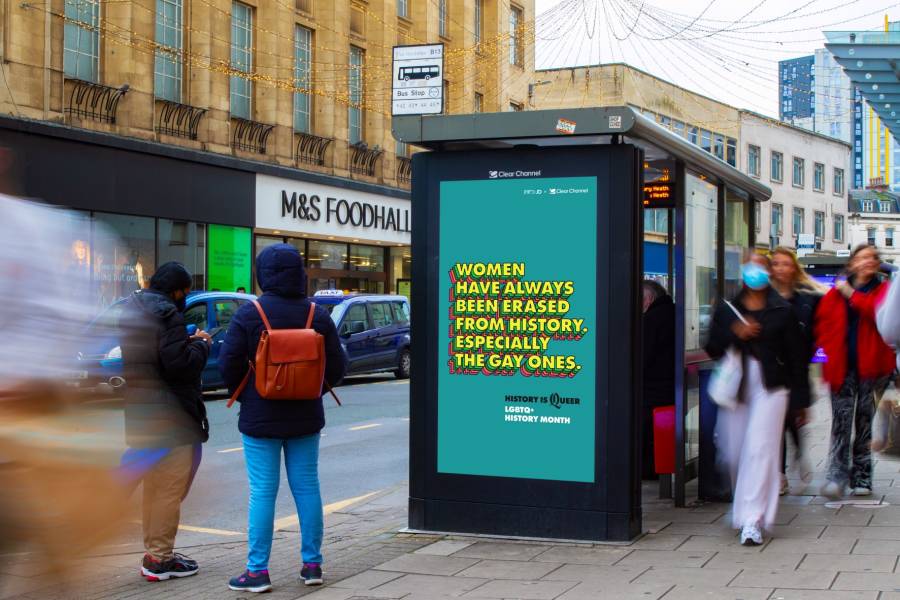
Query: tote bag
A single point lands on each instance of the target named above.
(725, 382)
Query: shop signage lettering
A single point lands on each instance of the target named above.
(344, 212)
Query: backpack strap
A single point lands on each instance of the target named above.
(262, 314)
(312, 311)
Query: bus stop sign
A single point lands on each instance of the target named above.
(418, 87)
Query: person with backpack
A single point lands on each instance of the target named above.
(165, 418)
(262, 358)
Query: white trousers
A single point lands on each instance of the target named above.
(750, 436)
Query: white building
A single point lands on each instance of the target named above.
(874, 218)
(808, 174)
(834, 98)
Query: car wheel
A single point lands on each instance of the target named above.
(402, 371)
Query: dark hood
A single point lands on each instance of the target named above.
(170, 277)
(154, 303)
(280, 271)
(661, 302)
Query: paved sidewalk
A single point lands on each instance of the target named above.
(815, 552)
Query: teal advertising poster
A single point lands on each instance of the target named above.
(516, 368)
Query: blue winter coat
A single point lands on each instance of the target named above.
(282, 277)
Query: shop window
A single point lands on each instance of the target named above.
(123, 256)
(366, 258)
(382, 315)
(327, 255)
(401, 262)
(184, 242)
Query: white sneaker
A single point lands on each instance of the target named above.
(862, 491)
(751, 536)
(832, 490)
(785, 486)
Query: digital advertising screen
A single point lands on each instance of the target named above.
(518, 324)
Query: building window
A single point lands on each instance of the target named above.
(665, 121)
(757, 214)
(776, 167)
(797, 225)
(656, 220)
(719, 146)
(302, 61)
(753, 160)
(81, 40)
(889, 237)
(839, 228)
(838, 182)
(241, 60)
(693, 133)
(478, 104)
(479, 18)
(706, 140)
(442, 18)
(167, 71)
(870, 236)
(357, 57)
(819, 177)
(884, 206)
(731, 151)
(516, 41)
(515, 107)
(868, 206)
(403, 8)
(778, 218)
(799, 172)
(820, 225)
(678, 127)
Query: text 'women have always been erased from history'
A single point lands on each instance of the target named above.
(518, 340)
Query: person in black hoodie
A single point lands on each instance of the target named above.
(659, 364)
(165, 419)
(271, 428)
(775, 366)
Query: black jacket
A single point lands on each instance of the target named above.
(282, 277)
(780, 348)
(804, 305)
(659, 353)
(162, 366)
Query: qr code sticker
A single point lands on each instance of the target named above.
(615, 122)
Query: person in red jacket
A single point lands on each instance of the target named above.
(858, 363)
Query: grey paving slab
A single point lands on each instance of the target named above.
(580, 555)
(429, 584)
(716, 544)
(877, 547)
(660, 541)
(862, 533)
(594, 590)
(509, 569)
(758, 560)
(820, 546)
(367, 580)
(820, 515)
(717, 529)
(423, 564)
(522, 590)
(683, 516)
(692, 592)
(331, 593)
(596, 573)
(502, 550)
(796, 531)
(886, 582)
(780, 594)
(785, 578)
(711, 577)
(858, 563)
(444, 547)
(657, 558)
(889, 515)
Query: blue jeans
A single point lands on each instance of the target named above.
(301, 461)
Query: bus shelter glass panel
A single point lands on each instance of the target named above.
(737, 240)
(700, 249)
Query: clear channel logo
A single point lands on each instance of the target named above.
(512, 174)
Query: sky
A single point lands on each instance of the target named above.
(725, 49)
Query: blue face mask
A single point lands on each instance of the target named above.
(755, 277)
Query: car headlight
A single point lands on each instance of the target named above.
(115, 353)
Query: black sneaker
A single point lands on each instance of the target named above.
(251, 582)
(177, 566)
(311, 574)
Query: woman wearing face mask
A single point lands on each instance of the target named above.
(858, 363)
(794, 285)
(774, 368)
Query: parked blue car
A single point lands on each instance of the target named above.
(100, 362)
(374, 331)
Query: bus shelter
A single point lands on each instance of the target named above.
(533, 233)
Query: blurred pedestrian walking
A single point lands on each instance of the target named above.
(795, 285)
(761, 325)
(165, 419)
(858, 364)
(659, 364)
(271, 428)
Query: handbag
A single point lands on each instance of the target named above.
(725, 382)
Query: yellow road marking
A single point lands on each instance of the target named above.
(203, 529)
(361, 427)
(238, 449)
(327, 509)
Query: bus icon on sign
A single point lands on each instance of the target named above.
(426, 72)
